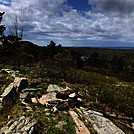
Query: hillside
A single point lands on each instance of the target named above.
(102, 78)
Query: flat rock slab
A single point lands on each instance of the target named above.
(101, 124)
(19, 126)
(80, 126)
(32, 89)
(45, 98)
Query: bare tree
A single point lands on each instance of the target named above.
(16, 28)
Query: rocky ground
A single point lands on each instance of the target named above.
(58, 109)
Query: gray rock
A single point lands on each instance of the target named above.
(23, 96)
(31, 130)
(10, 123)
(29, 125)
(27, 121)
(101, 124)
(21, 118)
(32, 89)
(133, 125)
(54, 88)
(19, 126)
(24, 133)
(7, 131)
(9, 96)
(13, 126)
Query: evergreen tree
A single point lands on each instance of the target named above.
(51, 48)
(2, 27)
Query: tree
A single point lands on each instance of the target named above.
(17, 27)
(16, 35)
(2, 28)
(51, 49)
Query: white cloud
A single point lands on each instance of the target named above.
(120, 6)
(54, 19)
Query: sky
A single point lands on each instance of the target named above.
(91, 23)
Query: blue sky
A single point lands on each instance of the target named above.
(102, 23)
(80, 5)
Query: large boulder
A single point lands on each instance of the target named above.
(45, 99)
(101, 124)
(9, 96)
(20, 83)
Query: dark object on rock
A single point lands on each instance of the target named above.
(64, 94)
(20, 83)
(62, 106)
(73, 102)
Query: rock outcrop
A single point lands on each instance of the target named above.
(9, 96)
(20, 125)
(80, 126)
(59, 98)
(101, 124)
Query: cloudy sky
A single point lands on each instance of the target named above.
(102, 23)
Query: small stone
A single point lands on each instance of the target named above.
(55, 109)
(79, 99)
(47, 114)
(34, 100)
(46, 110)
(72, 95)
(29, 108)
